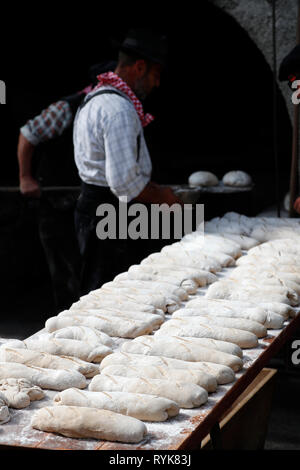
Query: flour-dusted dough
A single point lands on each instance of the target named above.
(129, 294)
(113, 303)
(20, 392)
(4, 411)
(203, 178)
(223, 374)
(233, 290)
(235, 309)
(67, 347)
(189, 285)
(149, 341)
(231, 322)
(181, 260)
(237, 178)
(84, 333)
(153, 320)
(165, 289)
(209, 383)
(137, 405)
(122, 327)
(180, 348)
(77, 421)
(185, 395)
(192, 327)
(192, 252)
(45, 378)
(184, 274)
(47, 361)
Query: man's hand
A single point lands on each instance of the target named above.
(153, 193)
(29, 187)
(297, 205)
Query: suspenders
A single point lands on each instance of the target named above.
(111, 92)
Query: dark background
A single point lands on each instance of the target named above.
(214, 111)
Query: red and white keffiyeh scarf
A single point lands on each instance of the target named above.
(112, 79)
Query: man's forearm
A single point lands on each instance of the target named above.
(25, 153)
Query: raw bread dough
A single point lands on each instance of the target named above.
(181, 260)
(4, 411)
(44, 378)
(237, 178)
(229, 322)
(165, 373)
(48, 361)
(66, 347)
(164, 289)
(112, 303)
(202, 278)
(216, 308)
(223, 374)
(154, 320)
(233, 290)
(203, 178)
(190, 250)
(180, 348)
(122, 328)
(84, 333)
(20, 392)
(185, 395)
(129, 294)
(76, 421)
(192, 327)
(189, 285)
(173, 341)
(144, 407)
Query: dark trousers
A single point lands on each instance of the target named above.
(58, 238)
(102, 260)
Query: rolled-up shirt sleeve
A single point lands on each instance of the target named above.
(125, 176)
(49, 124)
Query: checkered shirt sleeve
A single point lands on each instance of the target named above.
(49, 124)
(125, 174)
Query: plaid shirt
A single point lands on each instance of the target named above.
(105, 137)
(49, 124)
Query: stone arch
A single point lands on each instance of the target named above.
(255, 17)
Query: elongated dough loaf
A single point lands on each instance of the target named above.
(223, 374)
(191, 327)
(84, 333)
(209, 383)
(202, 278)
(130, 294)
(164, 289)
(231, 322)
(151, 319)
(181, 260)
(47, 361)
(112, 302)
(189, 250)
(4, 411)
(137, 405)
(149, 342)
(122, 328)
(45, 378)
(185, 350)
(66, 347)
(233, 309)
(20, 392)
(189, 285)
(77, 421)
(185, 395)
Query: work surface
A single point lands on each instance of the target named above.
(184, 431)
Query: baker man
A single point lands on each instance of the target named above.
(111, 153)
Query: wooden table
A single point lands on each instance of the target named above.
(183, 432)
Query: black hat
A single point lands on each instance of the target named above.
(290, 64)
(145, 43)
